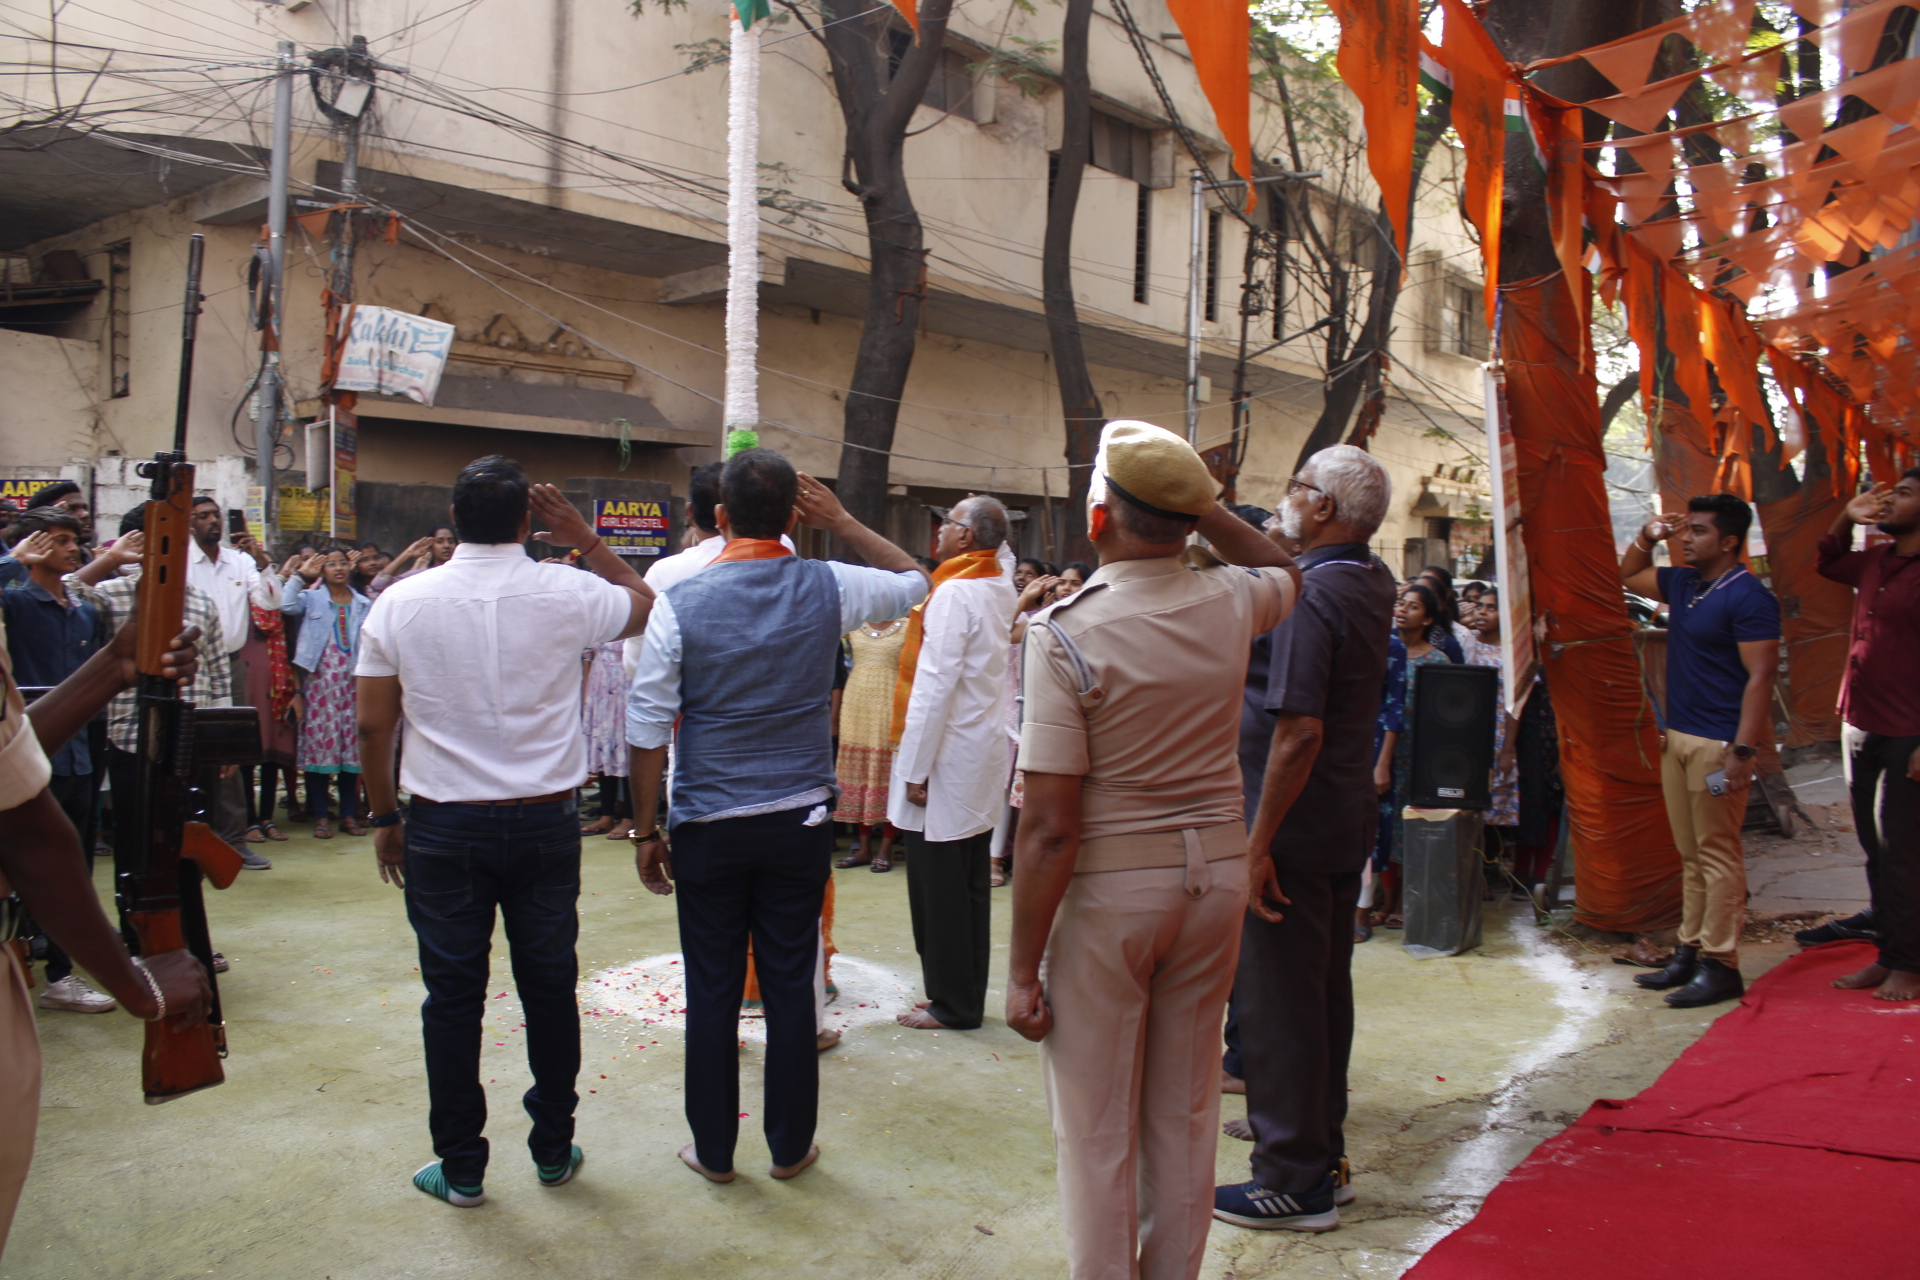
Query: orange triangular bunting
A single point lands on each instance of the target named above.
(1626, 64)
(1644, 110)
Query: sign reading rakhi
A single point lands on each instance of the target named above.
(394, 353)
(631, 527)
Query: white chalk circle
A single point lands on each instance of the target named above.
(653, 993)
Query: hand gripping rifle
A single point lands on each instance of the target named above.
(160, 891)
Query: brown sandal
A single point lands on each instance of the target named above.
(272, 832)
(996, 873)
(322, 830)
(353, 826)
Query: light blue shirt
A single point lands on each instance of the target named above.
(653, 700)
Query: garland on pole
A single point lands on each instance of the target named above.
(741, 406)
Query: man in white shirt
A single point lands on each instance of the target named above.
(949, 776)
(737, 663)
(483, 658)
(231, 578)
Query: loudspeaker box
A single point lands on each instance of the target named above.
(1452, 720)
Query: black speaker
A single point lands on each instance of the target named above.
(1452, 722)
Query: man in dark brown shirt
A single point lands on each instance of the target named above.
(1880, 714)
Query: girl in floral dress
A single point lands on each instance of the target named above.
(331, 613)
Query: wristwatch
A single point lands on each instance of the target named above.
(1742, 751)
(385, 820)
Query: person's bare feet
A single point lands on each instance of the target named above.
(825, 1040)
(692, 1161)
(1238, 1129)
(1232, 1084)
(1899, 986)
(1863, 979)
(786, 1171)
(920, 1020)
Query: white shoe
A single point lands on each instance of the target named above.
(72, 992)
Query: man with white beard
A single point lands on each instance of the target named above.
(1306, 734)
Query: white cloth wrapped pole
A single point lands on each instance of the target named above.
(741, 409)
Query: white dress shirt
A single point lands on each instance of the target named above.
(487, 648)
(234, 583)
(956, 732)
(670, 571)
(653, 700)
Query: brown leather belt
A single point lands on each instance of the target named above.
(551, 797)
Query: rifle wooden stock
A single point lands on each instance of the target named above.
(176, 1060)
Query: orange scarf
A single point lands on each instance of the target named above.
(968, 564)
(752, 549)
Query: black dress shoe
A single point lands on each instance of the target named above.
(1713, 983)
(1855, 928)
(1678, 973)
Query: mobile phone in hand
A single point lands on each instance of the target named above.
(1717, 782)
(236, 521)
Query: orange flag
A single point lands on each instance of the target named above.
(1735, 356)
(911, 12)
(1380, 62)
(1219, 35)
(1480, 80)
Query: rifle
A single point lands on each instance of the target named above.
(161, 889)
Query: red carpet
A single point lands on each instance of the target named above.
(1785, 1143)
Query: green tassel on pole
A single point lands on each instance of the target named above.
(740, 439)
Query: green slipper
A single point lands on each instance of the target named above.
(559, 1175)
(433, 1180)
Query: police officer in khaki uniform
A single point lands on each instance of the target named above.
(1132, 852)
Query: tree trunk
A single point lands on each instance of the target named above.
(1079, 402)
(1359, 366)
(1626, 867)
(877, 110)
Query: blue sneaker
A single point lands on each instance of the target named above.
(559, 1175)
(433, 1180)
(1248, 1204)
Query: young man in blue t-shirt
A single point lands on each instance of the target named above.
(1723, 644)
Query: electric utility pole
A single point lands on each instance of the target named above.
(268, 406)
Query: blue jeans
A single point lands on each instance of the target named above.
(461, 862)
(764, 877)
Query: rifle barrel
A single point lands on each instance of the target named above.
(189, 332)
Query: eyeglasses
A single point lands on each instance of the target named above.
(1297, 483)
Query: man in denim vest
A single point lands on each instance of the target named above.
(741, 655)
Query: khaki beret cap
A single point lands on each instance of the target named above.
(1155, 470)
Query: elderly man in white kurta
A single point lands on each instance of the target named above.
(949, 778)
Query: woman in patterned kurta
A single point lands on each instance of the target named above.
(865, 763)
(329, 738)
(604, 720)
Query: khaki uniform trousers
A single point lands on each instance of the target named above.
(1137, 974)
(19, 1085)
(1706, 828)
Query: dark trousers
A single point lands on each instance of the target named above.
(1294, 1001)
(463, 861)
(951, 906)
(763, 877)
(1886, 817)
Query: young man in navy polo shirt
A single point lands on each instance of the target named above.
(1723, 644)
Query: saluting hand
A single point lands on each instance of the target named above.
(565, 525)
(1870, 507)
(816, 505)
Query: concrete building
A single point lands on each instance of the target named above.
(556, 172)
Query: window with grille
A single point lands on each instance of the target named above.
(1122, 148)
(1461, 327)
(1213, 266)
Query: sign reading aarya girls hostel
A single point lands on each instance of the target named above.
(630, 527)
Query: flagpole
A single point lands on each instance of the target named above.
(741, 407)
